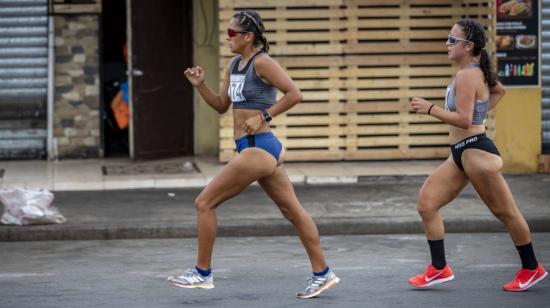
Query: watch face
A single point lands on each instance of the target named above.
(267, 117)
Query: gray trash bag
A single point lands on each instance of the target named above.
(29, 206)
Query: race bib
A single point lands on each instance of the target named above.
(236, 85)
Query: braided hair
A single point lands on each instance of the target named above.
(475, 33)
(250, 20)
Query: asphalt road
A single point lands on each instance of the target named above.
(264, 272)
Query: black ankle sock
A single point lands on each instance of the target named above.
(437, 249)
(527, 255)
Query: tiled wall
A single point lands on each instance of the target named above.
(77, 87)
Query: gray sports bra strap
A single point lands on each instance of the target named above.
(234, 62)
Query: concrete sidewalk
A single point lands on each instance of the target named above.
(373, 205)
(184, 172)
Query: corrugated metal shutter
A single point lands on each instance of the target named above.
(545, 76)
(23, 78)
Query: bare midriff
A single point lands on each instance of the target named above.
(240, 116)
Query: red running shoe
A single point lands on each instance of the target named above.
(525, 279)
(432, 276)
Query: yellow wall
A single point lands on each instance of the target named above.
(205, 50)
(518, 129)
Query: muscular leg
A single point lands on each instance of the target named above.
(440, 188)
(483, 170)
(280, 190)
(250, 165)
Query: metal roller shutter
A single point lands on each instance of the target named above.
(545, 17)
(23, 78)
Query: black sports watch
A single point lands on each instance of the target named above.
(266, 115)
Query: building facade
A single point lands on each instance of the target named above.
(357, 63)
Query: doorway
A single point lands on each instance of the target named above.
(160, 48)
(157, 40)
(114, 67)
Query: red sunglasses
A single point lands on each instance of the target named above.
(233, 33)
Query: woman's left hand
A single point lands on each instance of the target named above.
(253, 124)
(420, 105)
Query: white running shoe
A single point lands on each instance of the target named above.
(318, 284)
(191, 279)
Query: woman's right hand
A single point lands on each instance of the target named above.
(420, 105)
(195, 75)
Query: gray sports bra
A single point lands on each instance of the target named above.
(248, 91)
(480, 107)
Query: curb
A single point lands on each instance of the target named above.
(266, 227)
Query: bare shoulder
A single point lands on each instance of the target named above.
(467, 73)
(263, 60)
(469, 76)
(265, 66)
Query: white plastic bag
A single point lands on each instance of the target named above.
(29, 206)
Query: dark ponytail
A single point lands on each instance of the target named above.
(475, 33)
(265, 43)
(250, 20)
(485, 65)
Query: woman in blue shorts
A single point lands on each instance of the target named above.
(250, 84)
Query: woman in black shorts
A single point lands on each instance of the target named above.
(475, 159)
